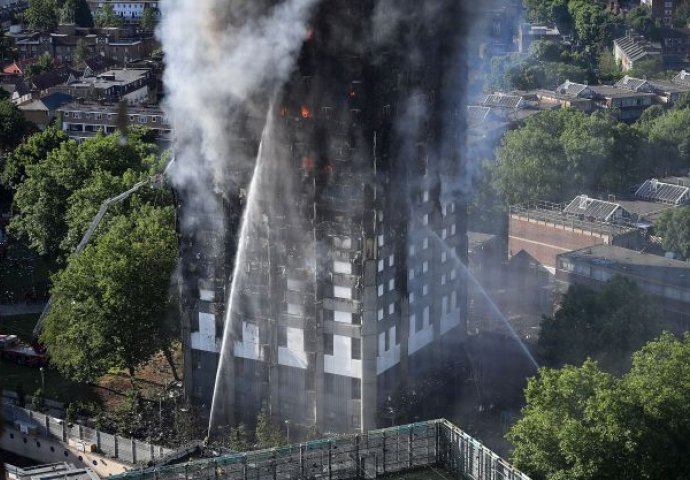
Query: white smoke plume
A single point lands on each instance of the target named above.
(219, 55)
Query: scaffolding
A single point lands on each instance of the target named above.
(388, 451)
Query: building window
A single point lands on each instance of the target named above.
(380, 290)
(426, 316)
(391, 285)
(413, 323)
(356, 347)
(328, 344)
(425, 267)
(411, 297)
(425, 289)
(444, 257)
(444, 233)
(380, 314)
(443, 279)
(380, 267)
(425, 196)
(452, 229)
(425, 219)
(380, 240)
(356, 389)
(282, 336)
(391, 309)
(411, 274)
(452, 274)
(411, 250)
(425, 243)
(391, 260)
(143, 119)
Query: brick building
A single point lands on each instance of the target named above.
(667, 281)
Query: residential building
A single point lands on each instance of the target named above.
(82, 120)
(529, 33)
(129, 10)
(663, 9)
(665, 280)
(127, 84)
(635, 48)
(42, 111)
(545, 230)
(666, 92)
(350, 289)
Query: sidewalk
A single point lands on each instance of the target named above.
(11, 309)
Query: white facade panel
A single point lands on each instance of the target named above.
(293, 355)
(341, 362)
(250, 346)
(205, 338)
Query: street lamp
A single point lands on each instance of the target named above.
(287, 428)
(43, 379)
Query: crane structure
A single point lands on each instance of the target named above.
(154, 181)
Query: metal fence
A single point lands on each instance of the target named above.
(123, 449)
(435, 443)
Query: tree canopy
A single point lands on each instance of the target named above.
(108, 304)
(580, 423)
(673, 226)
(42, 15)
(13, 127)
(607, 325)
(51, 187)
(559, 154)
(34, 149)
(106, 17)
(149, 19)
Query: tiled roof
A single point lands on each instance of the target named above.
(636, 47)
(634, 84)
(591, 208)
(571, 89)
(476, 115)
(663, 192)
(52, 78)
(502, 100)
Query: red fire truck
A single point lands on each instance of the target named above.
(15, 351)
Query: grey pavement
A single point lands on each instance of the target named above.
(20, 308)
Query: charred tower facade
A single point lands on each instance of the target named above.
(347, 288)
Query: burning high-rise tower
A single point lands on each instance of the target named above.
(345, 277)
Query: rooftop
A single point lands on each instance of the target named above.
(80, 106)
(633, 84)
(663, 192)
(592, 208)
(631, 262)
(502, 100)
(571, 89)
(636, 47)
(683, 78)
(610, 91)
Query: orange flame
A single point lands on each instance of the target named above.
(306, 113)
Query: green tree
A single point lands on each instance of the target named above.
(13, 127)
(44, 63)
(646, 68)
(673, 226)
(681, 15)
(545, 50)
(77, 12)
(640, 19)
(42, 15)
(106, 17)
(559, 154)
(609, 70)
(607, 325)
(38, 401)
(110, 301)
(667, 140)
(32, 151)
(81, 52)
(267, 434)
(42, 200)
(584, 424)
(149, 19)
(238, 438)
